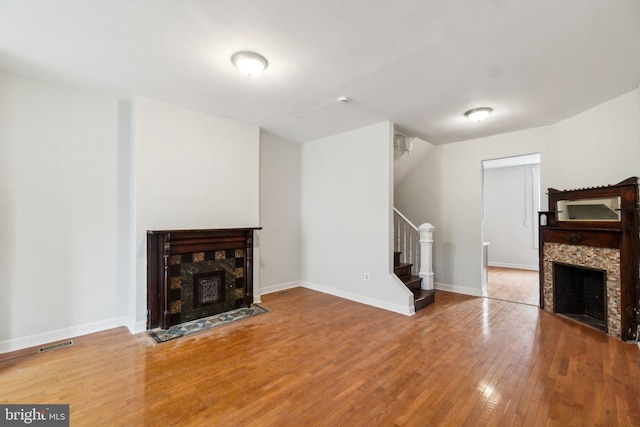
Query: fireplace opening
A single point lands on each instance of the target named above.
(580, 294)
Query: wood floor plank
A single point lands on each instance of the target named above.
(516, 285)
(319, 360)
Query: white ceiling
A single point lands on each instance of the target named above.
(418, 63)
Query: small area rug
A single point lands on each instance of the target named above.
(199, 325)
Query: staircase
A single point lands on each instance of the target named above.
(421, 297)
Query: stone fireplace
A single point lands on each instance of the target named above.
(589, 261)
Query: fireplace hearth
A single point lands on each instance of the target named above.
(589, 263)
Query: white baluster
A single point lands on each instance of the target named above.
(404, 243)
(416, 256)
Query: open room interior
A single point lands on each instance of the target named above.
(510, 206)
(342, 185)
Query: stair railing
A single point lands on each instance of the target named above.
(407, 241)
(416, 247)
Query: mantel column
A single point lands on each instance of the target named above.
(426, 255)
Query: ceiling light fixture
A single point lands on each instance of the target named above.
(249, 63)
(478, 114)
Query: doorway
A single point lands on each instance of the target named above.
(510, 205)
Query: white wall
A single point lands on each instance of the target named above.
(509, 220)
(405, 161)
(192, 171)
(279, 213)
(347, 215)
(598, 147)
(59, 222)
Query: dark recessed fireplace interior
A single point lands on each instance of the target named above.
(580, 294)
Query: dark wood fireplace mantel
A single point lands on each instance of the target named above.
(182, 265)
(610, 245)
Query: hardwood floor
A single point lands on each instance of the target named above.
(318, 360)
(514, 285)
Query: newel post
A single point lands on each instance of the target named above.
(426, 255)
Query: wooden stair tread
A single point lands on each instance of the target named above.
(423, 297)
(402, 270)
(412, 282)
(423, 293)
(402, 265)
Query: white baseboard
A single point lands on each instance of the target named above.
(476, 292)
(396, 308)
(264, 290)
(60, 334)
(137, 327)
(516, 266)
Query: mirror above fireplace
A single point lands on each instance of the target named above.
(600, 209)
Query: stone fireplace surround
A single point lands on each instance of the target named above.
(609, 246)
(589, 257)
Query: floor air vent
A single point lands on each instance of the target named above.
(55, 346)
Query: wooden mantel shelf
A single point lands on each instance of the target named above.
(203, 230)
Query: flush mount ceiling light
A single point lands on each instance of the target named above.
(249, 63)
(478, 114)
